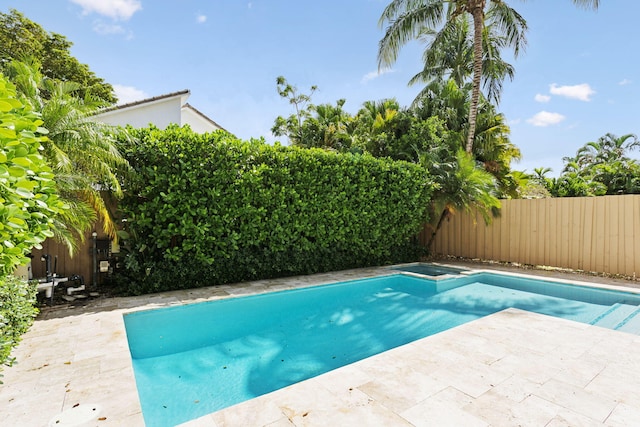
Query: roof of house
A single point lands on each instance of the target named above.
(147, 100)
(205, 117)
(181, 93)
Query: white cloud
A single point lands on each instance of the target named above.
(545, 118)
(102, 28)
(128, 94)
(542, 98)
(582, 91)
(201, 19)
(375, 74)
(624, 82)
(115, 9)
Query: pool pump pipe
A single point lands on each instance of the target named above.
(47, 259)
(94, 274)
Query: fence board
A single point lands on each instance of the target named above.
(598, 234)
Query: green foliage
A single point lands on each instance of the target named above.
(80, 149)
(449, 54)
(492, 19)
(28, 199)
(599, 168)
(382, 129)
(492, 147)
(210, 209)
(461, 186)
(291, 127)
(495, 26)
(21, 38)
(17, 311)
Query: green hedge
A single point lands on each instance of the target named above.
(211, 209)
(17, 311)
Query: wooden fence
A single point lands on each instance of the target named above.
(81, 263)
(600, 234)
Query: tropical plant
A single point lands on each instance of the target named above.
(449, 102)
(492, 148)
(607, 148)
(409, 19)
(449, 55)
(460, 186)
(80, 150)
(602, 167)
(379, 126)
(495, 151)
(28, 199)
(327, 126)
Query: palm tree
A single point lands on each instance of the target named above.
(331, 125)
(80, 150)
(376, 123)
(606, 163)
(449, 55)
(447, 100)
(607, 148)
(408, 19)
(492, 147)
(375, 114)
(461, 186)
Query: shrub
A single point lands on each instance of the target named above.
(210, 209)
(17, 311)
(28, 199)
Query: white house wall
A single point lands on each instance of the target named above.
(160, 113)
(197, 123)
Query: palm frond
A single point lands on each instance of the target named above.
(81, 151)
(406, 19)
(587, 4)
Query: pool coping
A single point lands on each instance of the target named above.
(80, 356)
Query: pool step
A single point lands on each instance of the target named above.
(614, 316)
(631, 324)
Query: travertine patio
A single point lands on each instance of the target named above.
(511, 368)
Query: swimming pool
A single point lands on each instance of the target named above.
(196, 359)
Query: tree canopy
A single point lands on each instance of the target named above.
(599, 168)
(22, 39)
(443, 20)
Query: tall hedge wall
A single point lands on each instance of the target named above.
(211, 209)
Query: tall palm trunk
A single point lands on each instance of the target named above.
(476, 8)
(446, 213)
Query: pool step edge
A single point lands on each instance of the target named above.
(631, 323)
(614, 316)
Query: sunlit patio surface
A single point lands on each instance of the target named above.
(510, 368)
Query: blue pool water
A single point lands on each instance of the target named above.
(195, 359)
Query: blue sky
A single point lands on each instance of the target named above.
(577, 80)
